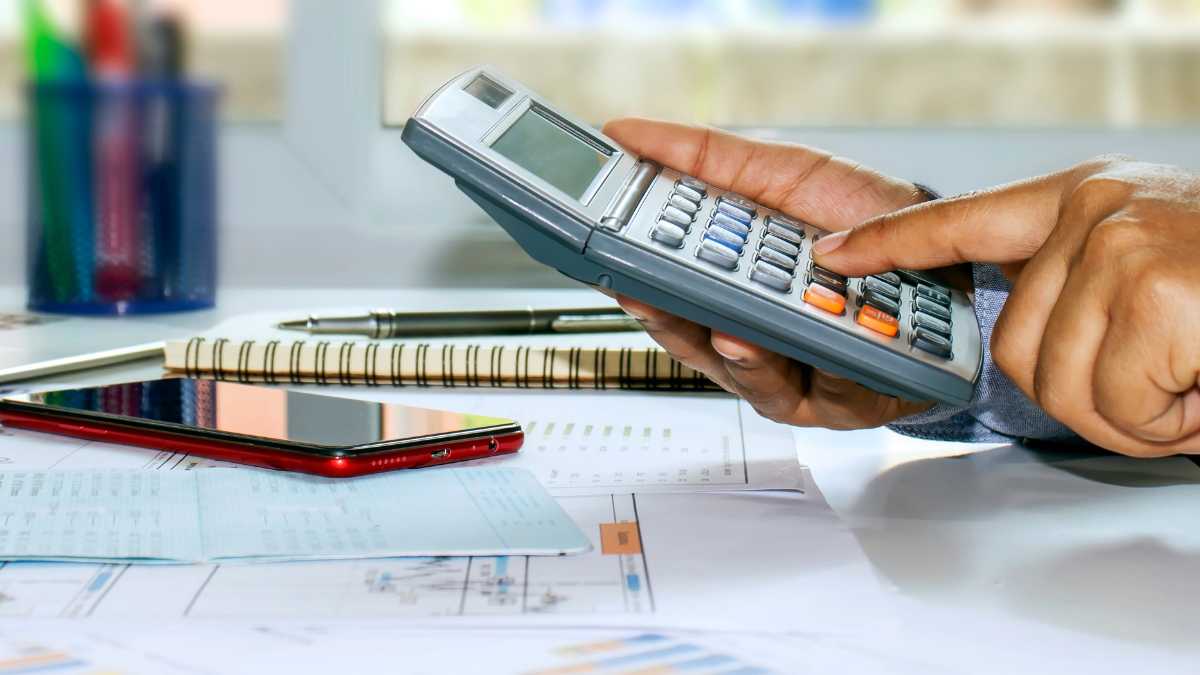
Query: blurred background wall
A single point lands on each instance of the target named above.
(317, 189)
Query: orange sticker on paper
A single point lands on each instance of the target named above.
(620, 539)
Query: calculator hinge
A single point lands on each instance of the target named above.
(622, 209)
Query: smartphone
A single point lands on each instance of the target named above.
(265, 426)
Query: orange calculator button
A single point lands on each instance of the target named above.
(829, 300)
(880, 322)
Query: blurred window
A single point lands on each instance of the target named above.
(238, 43)
(816, 62)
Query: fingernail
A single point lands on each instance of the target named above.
(635, 315)
(830, 242)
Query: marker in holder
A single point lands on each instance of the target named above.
(122, 199)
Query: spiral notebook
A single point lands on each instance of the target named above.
(431, 365)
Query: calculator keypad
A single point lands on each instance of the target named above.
(719, 229)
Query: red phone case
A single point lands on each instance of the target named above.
(485, 445)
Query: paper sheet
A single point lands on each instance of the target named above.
(253, 515)
(620, 442)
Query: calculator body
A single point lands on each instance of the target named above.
(577, 201)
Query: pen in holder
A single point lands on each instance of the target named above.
(122, 197)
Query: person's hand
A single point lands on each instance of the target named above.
(829, 192)
(1102, 328)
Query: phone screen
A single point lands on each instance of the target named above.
(291, 417)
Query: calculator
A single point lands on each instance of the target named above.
(577, 201)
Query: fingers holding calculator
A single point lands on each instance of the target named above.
(808, 185)
(785, 273)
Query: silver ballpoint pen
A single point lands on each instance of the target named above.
(388, 324)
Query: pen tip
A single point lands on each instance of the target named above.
(296, 324)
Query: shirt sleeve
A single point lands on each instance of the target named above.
(998, 411)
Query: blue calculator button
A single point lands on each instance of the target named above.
(725, 237)
(717, 253)
(723, 221)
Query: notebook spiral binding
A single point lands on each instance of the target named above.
(428, 365)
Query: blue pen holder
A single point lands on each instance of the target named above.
(122, 197)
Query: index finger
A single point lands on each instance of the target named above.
(830, 192)
(1007, 224)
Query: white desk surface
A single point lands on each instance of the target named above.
(1099, 547)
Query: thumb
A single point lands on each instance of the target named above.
(1001, 225)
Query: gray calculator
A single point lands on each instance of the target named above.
(575, 200)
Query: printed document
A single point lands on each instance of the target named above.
(232, 515)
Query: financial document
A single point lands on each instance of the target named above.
(621, 442)
(227, 514)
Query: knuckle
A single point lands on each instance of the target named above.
(1099, 189)
(1110, 241)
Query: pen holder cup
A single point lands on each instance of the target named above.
(122, 199)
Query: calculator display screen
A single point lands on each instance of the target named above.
(550, 151)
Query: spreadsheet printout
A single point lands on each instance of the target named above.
(226, 514)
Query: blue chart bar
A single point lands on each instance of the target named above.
(647, 653)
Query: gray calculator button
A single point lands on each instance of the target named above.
(817, 269)
(889, 277)
(882, 303)
(677, 216)
(694, 184)
(932, 308)
(667, 233)
(689, 192)
(740, 202)
(938, 295)
(770, 275)
(717, 254)
(788, 249)
(736, 212)
(830, 280)
(789, 223)
(735, 226)
(881, 287)
(684, 204)
(724, 236)
(776, 258)
(928, 341)
(932, 323)
(785, 233)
